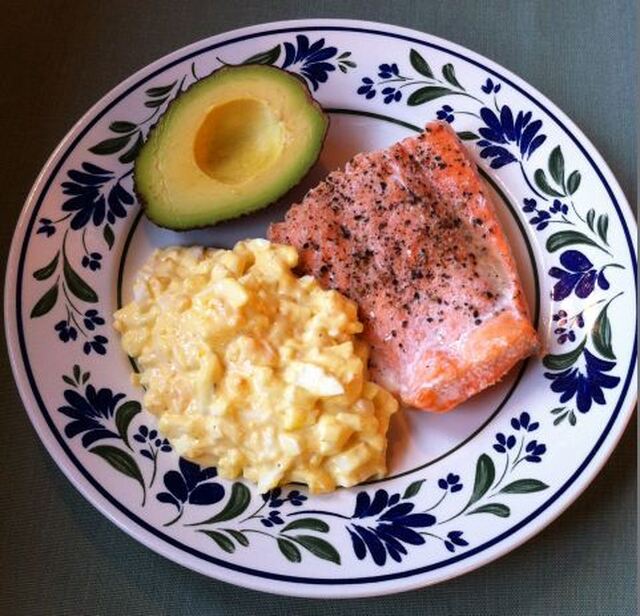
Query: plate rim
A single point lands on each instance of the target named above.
(549, 510)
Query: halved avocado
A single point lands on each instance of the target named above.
(232, 143)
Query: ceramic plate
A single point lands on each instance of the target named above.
(463, 488)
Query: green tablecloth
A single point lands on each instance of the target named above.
(58, 555)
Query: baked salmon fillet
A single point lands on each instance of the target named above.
(411, 235)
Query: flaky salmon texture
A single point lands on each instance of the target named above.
(411, 235)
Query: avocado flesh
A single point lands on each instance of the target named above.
(234, 142)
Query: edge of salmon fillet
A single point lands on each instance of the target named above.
(439, 378)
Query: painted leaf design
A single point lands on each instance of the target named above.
(224, 543)
(568, 238)
(122, 127)
(413, 489)
(541, 181)
(237, 503)
(156, 102)
(524, 486)
(45, 272)
(563, 361)
(573, 182)
(46, 302)
(591, 215)
(603, 227)
(76, 284)
(485, 474)
(289, 550)
(558, 420)
(121, 461)
(426, 94)
(240, 537)
(420, 64)
(502, 511)
(160, 91)
(107, 234)
(124, 415)
(449, 73)
(266, 57)
(110, 146)
(130, 155)
(467, 135)
(318, 547)
(308, 524)
(601, 334)
(556, 166)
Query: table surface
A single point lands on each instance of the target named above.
(58, 555)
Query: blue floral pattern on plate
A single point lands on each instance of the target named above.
(381, 527)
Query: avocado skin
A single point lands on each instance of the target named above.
(309, 100)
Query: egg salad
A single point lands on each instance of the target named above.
(254, 370)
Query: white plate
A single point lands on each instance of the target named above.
(464, 488)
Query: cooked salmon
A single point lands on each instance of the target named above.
(411, 235)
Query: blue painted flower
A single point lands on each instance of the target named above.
(503, 443)
(535, 451)
(117, 199)
(451, 482)
(580, 276)
(588, 386)
(153, 441)
(524, 422)
(92, 318)
(66, 331)
(92, 261)
(505, 130)
(395, 526)
(276, 499)
(391, 95)
(541, 220)
(88, 203)
(190, 485)
(311, 58)
(564, 329)
(366, 89)
(564, 335)
(559, 208)
(97, 344)
(387, 71)
(454, 538)
(296, 498)
(490, 87)
(445, 114)
(46, 226)
(91, 413)
(273, 519)
(273, 497)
